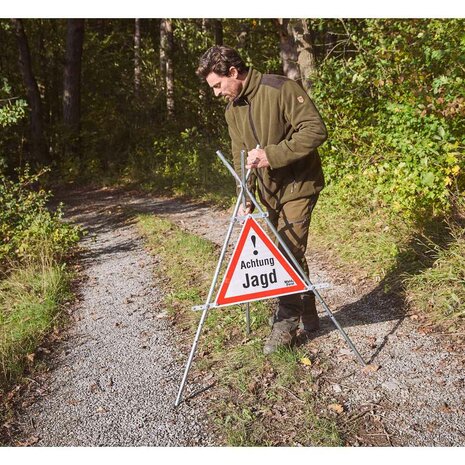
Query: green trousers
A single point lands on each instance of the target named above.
(292, 221)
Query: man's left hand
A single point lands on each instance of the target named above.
(256, 158)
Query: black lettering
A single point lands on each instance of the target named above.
(264, 280)
(247, 283)
(273, 278)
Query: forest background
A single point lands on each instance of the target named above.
(117, 102)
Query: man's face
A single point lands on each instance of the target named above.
(228, 87)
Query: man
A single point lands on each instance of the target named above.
(274, 120)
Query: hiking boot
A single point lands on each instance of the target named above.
(309, 317)
(279, 337)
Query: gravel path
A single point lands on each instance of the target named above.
(114, 381)
(115, 378)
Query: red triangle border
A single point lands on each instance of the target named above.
(298, 287)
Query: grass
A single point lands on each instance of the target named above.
(440, 289)
(423, 262)
(29, 302)
(261, 401)
(357, 233)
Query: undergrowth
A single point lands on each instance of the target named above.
(421, 261)
(30, 299)
(35, 243)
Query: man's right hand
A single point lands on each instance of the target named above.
(245, 211)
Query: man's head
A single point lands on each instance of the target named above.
(224, 70)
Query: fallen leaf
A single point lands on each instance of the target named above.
(94, 387)
(425, 330)
(31, 357)
(445, 408)
(338, 408)
(370, 368)
(305, 361)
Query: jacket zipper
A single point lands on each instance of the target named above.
(253, 125)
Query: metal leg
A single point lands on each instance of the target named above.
(244, 206)
(208, 302)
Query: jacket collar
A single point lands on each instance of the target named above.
(250, 87)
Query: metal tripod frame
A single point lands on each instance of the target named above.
(234, 218)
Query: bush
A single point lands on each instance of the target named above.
(28, 230)
(183, 162)
(395, 112)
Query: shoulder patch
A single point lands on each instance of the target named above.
(273, 80)
(300, 99)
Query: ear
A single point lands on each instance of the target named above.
(233, 72)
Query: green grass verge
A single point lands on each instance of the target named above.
(424, 262)
(440, 290)
(30, 299)
(359, 234)
(260, 400)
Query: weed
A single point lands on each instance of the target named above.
(440, 289)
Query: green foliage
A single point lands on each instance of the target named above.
(395, 109)
(28, 230)
(440, 290)
(183, 162)
(11, 109)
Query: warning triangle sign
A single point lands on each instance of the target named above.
(257, 270)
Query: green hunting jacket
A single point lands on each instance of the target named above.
(276, 113)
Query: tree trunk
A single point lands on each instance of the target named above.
(38, 145)
(137, 70)
(72, 86)
(305, 52)
(243, 35)
(218, 31)
(166, 58)
(288, 50)
(163, 40)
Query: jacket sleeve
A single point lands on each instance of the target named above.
(309, 129)
(237, 145)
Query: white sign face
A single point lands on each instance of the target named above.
(257, 270)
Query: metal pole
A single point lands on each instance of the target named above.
(208, 301)
(244, 206)
(297, 265)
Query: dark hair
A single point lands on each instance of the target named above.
(219, 59)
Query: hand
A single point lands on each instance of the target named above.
(245, 211)
(256, 158)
